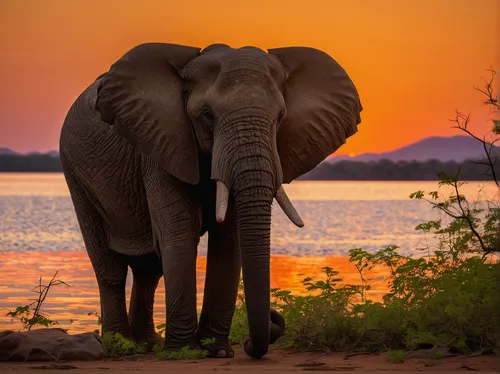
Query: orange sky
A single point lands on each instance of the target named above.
(414, 62)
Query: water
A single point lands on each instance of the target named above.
(39, 235)
(36, 214)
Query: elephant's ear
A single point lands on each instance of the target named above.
(323, 109)
(141, 96)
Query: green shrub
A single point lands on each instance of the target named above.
(397, 356)
(183, 354)
(116, 345)
(428, 303)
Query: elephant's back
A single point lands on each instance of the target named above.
(87, 143)
(82, 125)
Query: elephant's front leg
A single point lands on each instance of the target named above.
(176, 220)
(179, 267)
(221, 287)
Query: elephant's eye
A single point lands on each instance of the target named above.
(207, 117)
(281, 116)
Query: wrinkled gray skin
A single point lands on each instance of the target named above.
(141, 150)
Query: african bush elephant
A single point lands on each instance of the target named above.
(174, 141)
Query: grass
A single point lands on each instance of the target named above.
(116, 345)
(396, 356)
(183, 354)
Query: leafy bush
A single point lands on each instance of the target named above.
(429, 303)
(116, 345)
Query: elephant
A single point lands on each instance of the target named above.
(176, 141)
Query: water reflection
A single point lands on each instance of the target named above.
(20, 272)
(54, 184)
(36, 214)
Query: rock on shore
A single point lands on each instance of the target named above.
(50, 344)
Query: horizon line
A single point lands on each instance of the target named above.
(330, 156)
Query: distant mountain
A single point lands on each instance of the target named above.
(7, 151)
(49, 153)
(455, 148)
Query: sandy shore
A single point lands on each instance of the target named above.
(277, 361)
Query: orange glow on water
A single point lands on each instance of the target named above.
(70, 306)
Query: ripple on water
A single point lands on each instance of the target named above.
(48, 223)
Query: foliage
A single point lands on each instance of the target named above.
(99, 320)
(116, 345)
(30, 314)
(431, 301)
(160, 330)
(184, 353)
(464, 227)
(396, 356)
(98, 316)
(239, 325)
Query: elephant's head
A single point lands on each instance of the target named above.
(265, 119)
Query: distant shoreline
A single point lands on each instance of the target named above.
(346, 170)
(365, 167)
(296, 180)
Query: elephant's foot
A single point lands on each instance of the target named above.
(219, 349)
(216, 348)
(150, 339)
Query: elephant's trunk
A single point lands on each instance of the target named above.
(253, 200)
(249, 171)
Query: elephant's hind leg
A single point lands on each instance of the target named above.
(110, 267)
(147, 271)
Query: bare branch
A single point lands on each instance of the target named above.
(462, 121)
(488, 90)
(466, 216)
(43, 291)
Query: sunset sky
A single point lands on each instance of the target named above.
(413, 62)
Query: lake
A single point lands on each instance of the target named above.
(39, 235)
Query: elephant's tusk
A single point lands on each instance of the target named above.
(222, 198)
(285, 204)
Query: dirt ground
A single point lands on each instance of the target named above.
(277, 361)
